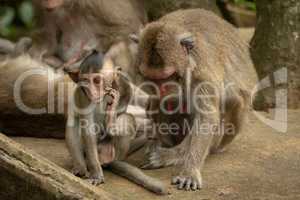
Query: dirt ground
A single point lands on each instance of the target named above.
(261, 164)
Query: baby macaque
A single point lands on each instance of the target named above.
(99, 131)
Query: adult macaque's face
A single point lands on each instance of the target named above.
(52, 4)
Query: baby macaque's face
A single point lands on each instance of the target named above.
(52, 4)
(93, 86)
(97, 85)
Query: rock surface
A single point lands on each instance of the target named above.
(261, 164)
(27, 175)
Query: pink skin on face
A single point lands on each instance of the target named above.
(93, 86)
(52, 4)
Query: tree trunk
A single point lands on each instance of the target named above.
(158, 8)
(276, 45)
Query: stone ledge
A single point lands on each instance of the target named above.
(27, 175)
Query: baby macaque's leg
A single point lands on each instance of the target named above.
(125, 130)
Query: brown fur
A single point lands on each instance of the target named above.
(107, 21)
(101, 22)
(220, 57)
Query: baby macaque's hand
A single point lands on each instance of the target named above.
(113, 98)
(116, 95)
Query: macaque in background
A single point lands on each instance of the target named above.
(70, 30)
(99, 131)
(206, 57)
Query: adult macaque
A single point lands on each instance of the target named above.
(99, 131)
(72, 29)
(204, 77)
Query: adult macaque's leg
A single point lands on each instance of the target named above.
(195, 153)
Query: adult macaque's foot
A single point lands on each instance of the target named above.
(96, 181)
(189, 181)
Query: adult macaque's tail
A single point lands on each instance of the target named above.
(135, 175)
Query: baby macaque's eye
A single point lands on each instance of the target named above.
(84, 81)
(97, 80)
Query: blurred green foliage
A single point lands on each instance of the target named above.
(16, 18)
(248, 4)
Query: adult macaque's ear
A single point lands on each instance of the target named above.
(187, 41)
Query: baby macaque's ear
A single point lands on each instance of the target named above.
(73, 72)
(187, 41)
(74, 76)
(134, 38)
(118, 72)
